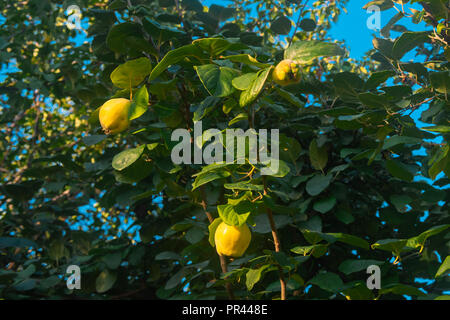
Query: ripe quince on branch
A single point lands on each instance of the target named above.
(232, 240)
(286, 72)
(113, 115)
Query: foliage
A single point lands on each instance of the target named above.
(349, 192)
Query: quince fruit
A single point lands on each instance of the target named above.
(232, 240)
(286, 72)
(113, 115)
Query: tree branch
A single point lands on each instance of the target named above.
(298, 21)
(277, 243)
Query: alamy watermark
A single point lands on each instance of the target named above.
(74, 17)
(251, 145)
(374, 21)
(374, 280)
(74, 280)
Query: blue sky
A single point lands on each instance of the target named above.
(352, 27)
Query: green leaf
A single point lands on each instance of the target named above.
(444, 268)
(408, 41)
(93, 117)
(350, 239)
(135, 172)
(440, 81)
(93, 139)
(131, 73)
(105, 281)
(175, 280)
(290, 148)
(339, 111)
(348, 85)
(28, 272)
(351, 266)
(212, 230)
(251, 38)
(433, 195)
(325, 205)
(377, 78)
(318, 184)
(439, 161)
(249, 95)
(192, 5)
(382, 4)
(402, 289)
(307, 24)
(56, 249)
(136, 255)
(167, 255)
(316, 250)
(419, 241)
(358, 292)
(400, 201)
(399, 170)
(372, 100)
(229, 215)
(175, 56)
(281, 25)
(207, 177)
(243, 82)
(315, 237)
(213, 167)
(390, 245)
(214, 46)
(396, 140)
(6, 242)
(139, 104)
(289, 97)
(127, 38)
(161, 32)
(127, 157)
(282, 168)
(206, 106)
(239, 117)
(318, 155)
(344, 216)
(253, 276)
(306, 51)
(328, 281)
(112, 260)
(217, 80)
(49, 282)
(441, 129)
(194, 235)
(221, 13)
(384, 46)
(262, 224)
(244, 185)
(246, 59)
(25, 285)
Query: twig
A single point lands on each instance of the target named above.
(276, 241)
(298, 21)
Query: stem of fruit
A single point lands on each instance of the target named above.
(276, 241)
(223, 262)
(131, 92)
